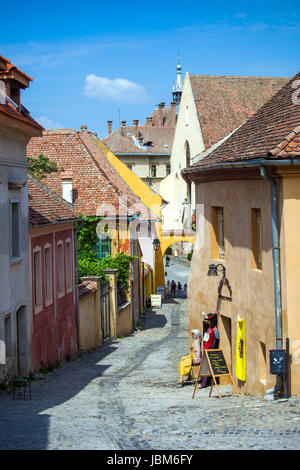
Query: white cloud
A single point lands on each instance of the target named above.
(48, 123)
(118, 89)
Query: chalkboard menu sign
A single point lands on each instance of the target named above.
(213, 364)
(217, 362)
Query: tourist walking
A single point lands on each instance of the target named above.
(173, 288)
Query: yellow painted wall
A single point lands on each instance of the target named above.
(252, 290)
(150, 200)
(290, 251)
(90, 321)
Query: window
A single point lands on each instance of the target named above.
(217, 233)
(8, 337)
(15, 229)
(69, 265)
(48, 274)
(67, 190)
(37, 280)
(60, 269)
(129, 166)
(262, 362)
(103, 246)
(256, 240)
(187, 154)
(168, 169)
(153, 171)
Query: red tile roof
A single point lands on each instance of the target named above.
(125, 140)
(225, 102)
(272, 133)
(45, 207)
(11, 67)
(6, 70)
(97, 187)
(10, 111)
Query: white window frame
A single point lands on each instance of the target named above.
(37, 283)
(48, 272)
(69, 266)
(60, 293)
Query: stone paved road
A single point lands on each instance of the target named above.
(124, 395)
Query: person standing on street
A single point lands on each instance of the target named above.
(185, 291)
(211, 339)
(179, 287)
(173, 288)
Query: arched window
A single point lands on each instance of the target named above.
(153, 171)
(187, 154)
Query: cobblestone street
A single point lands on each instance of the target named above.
(124, 396)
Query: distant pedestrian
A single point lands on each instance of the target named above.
(179, 287)
(168, 286)
(185, 291)
(173, 288)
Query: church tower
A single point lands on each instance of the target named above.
(177, 88)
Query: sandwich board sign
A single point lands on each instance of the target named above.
(213, 364)
(156, 300)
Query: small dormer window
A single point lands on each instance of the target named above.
(67, 190)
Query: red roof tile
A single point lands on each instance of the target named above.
(225, 102)
(10, 111)
(273, 132)
(45, 207)
(97, 187)
(125, 140)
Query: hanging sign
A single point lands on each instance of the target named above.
(213, 364)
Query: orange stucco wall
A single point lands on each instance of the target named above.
(252, 290)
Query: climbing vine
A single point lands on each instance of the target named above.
(88, 264)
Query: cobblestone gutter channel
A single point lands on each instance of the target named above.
(118, 426)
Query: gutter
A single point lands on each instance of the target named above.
(242, 164)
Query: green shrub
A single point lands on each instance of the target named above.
(189, 256)
(169, 251)
(88, 264)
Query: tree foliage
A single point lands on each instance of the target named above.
(39, 167)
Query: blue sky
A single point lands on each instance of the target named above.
(94, 61)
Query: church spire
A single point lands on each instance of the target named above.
(177, 89)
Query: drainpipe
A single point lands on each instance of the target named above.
(75, 232)
(276, 268)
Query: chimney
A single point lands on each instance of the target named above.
(173, 113)
(83, 127)
(109, 127)
(149, 121)
(160, 113)
(123, 127)
(136, 123)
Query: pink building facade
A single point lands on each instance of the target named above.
(54, 335)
